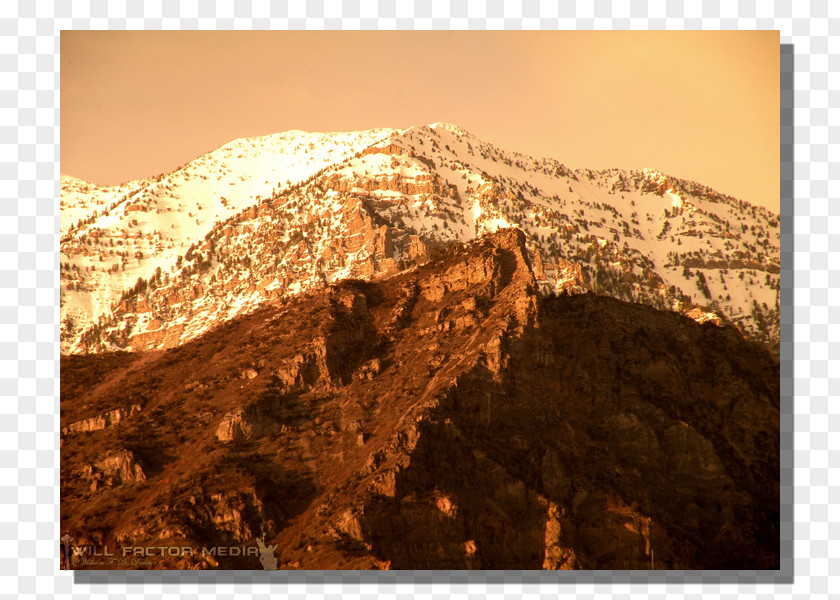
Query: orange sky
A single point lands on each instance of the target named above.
(697, 105)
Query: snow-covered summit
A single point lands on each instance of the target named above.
(155, 262)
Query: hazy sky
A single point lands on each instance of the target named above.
(696, 105)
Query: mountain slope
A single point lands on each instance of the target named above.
(447, 417)
(112, 236)
(372, 203)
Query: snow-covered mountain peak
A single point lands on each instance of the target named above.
(156, 262)
(454, 129)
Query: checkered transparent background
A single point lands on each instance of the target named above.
(29, 358)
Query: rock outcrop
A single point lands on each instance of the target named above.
(116, 468)
(239, 425)
(448, 417)
(102, 421)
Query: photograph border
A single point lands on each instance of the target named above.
(29, 290)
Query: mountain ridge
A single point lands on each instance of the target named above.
(451, 416)
(307, 210)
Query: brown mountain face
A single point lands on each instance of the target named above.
(448, 417)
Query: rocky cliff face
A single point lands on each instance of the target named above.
(448, 417)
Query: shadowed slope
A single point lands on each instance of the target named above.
(448, 417)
